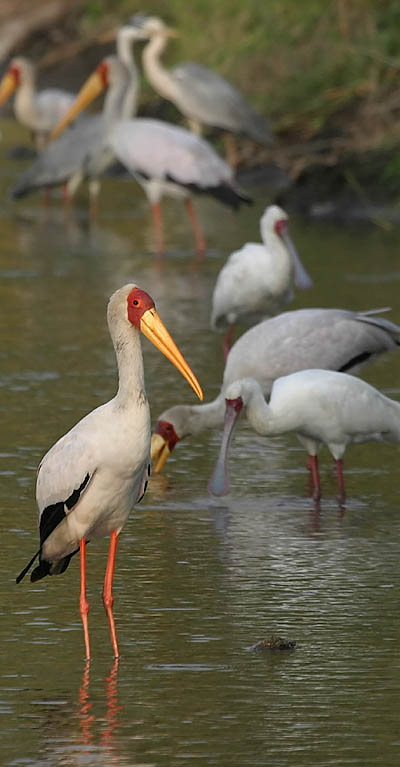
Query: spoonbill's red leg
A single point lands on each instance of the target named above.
(108, 598)
(313, 462)
(158, 227)
(198, 234)
(83, 603)
(340, 479)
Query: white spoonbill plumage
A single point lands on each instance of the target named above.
(164, 159)
(259, 278)
(90, 480)
(321, 406)
(201, 95)
(332, 339)
(40, 111)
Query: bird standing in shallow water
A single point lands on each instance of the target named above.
(163, 158)
(258, 278)
(90, 480)
(200, 94)
(333, 339)
(40, 111)
(321, 406)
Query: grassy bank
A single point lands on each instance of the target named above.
(300, 61)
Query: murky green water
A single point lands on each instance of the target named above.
(197, 583)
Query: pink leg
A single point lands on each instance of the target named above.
(158, 227)
(313, 460)
(108, 598)
(83, 603)
(198, 234)
(228, 341)
(340, 479)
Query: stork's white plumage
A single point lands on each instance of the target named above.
(40, 111)
(84, 153)
(165, 159)
(321, 406)
(259, 278)
(92, 477)
(332, 339)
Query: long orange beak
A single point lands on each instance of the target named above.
(92, 88)
(154, 329)
(7, 87)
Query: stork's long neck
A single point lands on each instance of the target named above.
(25, 106)
(158, 76)
(125, 54)
(128, 351)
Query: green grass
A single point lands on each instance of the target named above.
(298, 61)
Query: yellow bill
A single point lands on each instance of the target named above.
(92, 88)
(160, 452)
(7, 87)
(154, 329)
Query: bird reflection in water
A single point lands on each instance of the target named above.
(88, 720)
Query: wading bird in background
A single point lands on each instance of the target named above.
(332, 339)
(83, 154)
(321, 406)
(201, 95)
(40, 111)
(258, 278)
(164, 159)
(90, 480)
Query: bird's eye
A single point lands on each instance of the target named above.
(135, 302)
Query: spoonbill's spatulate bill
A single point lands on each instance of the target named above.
(321, 406)
(40, 111)
(164, 159)
(332, 339)
(90, 480)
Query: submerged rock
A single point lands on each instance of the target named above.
(273, 644)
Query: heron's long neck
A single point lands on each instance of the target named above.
(158, 76)
(128, 351)
(125, 54)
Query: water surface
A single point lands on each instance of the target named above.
(197, 582)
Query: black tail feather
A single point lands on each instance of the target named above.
(42, 569)
(27, 568)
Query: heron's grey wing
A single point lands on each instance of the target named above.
(214, 101)
(67, 155)
(53, 103)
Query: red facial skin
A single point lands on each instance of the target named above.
(167, 431)
(235, 404)
(102, 70)
(14, 71)
(281, 226)
(138, 303)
